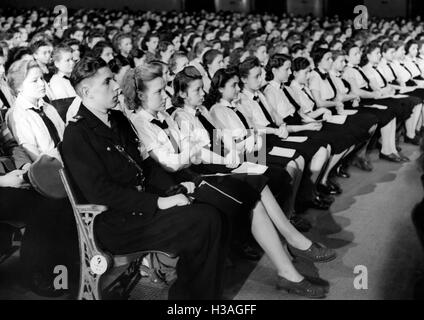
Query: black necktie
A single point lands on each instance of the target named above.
(381, 76)
(330, 81)
(163, 125)
(205, 123)
(291, 99)
(49, 124)
(407, 70)
(4, 100)
(241, 117)
(391, 69)
(265, 111)
(363, 76)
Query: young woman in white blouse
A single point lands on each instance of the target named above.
(360, 86)
(148, 96)
(59, 83)
(213, 60)
(35, 124)
(406, 108)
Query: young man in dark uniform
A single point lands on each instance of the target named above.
(102, 154)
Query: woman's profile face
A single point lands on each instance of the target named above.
(33, 86)
(195, 94)
(153, 98)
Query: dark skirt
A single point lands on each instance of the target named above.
(401, 108)
(383, 116)
(336, 136)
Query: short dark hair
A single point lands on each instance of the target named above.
(247, 65)
(318, 54)
(300, 63)
(276, 61)
(86, 68)
(182, 81)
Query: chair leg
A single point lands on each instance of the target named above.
(89, 287)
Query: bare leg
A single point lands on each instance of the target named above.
(295, 169)
(267, 237)
(411, 123)
(283, 225)
(388, 138)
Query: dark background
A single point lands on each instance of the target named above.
(344, 8)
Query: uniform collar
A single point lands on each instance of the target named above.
(296, 84)
(23, 103)
(250, 95)
(275, 84)
(149, 117)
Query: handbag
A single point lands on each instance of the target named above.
(44, 177)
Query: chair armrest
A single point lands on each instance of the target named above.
(91, 208)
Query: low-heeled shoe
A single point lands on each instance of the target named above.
(390, 157)
(415, 141)
(315, 253)
(303, 288)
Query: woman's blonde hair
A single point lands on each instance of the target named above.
(135, 80)
(18, 72)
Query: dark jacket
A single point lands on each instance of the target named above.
(102, 173)
(12, 156)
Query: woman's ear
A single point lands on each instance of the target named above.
(182, 94)
(140, 95)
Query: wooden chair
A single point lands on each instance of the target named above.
(95, 263)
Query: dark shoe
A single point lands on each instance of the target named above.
(315, 253)
(362, 164)
(335, 186)
(303, 288)
(328, 189)
(415, 141)
(398, 148)
(391, 157)
(341, 171)
(318, 203)
(301, 224)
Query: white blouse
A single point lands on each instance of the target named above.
(304, 100)
(156, 139)
(338, 82)
(353, 76)
(191, 129)
(251, 109)
(323, 86)
(411, 65)
(281, 106)
(402, 75)
(61, 88)
(29, 129)
(384, 68)
(227, 121)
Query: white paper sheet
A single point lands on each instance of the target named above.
(282, 152)
(377, 106)
(250, 168)
(298, 139)
(339, 119)
(349, 112)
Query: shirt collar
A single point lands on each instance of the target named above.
(249, 94)
(191, 110)
(225, 103)
(335, 73)
(149, 117)
(296, 84)
(23, 103)
(275, 84)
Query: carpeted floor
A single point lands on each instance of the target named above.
(369, 225)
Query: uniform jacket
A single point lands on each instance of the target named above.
(103, 175)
